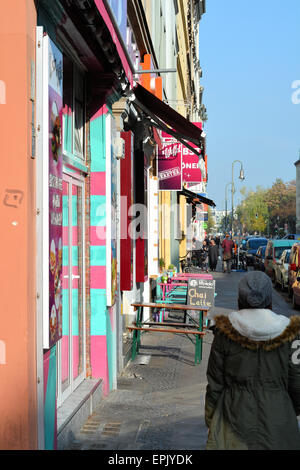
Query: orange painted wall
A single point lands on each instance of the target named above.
(18, 414)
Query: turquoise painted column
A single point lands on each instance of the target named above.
(99, 350)
(50, 413)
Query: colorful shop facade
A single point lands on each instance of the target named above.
(79, 173)
(82, 62)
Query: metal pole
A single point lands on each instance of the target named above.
(140, 72)
(225, 208)
(232, 193)
(226, 213)
(233, 188)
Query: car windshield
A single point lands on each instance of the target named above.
(279, 250)
(263, 250)
(255, 244)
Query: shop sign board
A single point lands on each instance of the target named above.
(169, 164)
(191, 163)
(201, 293)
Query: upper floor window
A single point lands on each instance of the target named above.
(73, 111)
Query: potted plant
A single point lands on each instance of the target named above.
(172, 270)
(161, 264)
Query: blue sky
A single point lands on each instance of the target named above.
(250, 57)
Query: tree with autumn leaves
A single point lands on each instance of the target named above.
(268, 211)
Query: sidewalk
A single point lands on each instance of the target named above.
(159, 403)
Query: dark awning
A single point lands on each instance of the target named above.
(196, 198)
(167, 119)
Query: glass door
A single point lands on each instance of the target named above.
(71, 348)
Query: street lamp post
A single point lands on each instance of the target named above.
(226, 216)
(241, 177)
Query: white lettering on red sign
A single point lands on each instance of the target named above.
(171, 173)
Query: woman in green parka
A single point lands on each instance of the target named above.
(253, 392)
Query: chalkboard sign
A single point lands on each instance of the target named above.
(201, 293)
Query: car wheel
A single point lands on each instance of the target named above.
(295, 306)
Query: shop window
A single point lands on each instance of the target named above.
(73, 111)
(79, 116)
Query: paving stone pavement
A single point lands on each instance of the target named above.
(158, 405)
(159, 402)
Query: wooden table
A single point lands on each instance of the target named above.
(164, 327)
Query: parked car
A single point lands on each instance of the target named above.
(244, 241)
(259, 258)
(274, 250)
(291, 236)
(293, 274)
(251, 248)
(281, 270)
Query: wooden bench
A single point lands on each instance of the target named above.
(167, 327)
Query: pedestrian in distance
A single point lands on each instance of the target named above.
(197, 250)
(227, 247)
(213, 253)
(253, 393)
(207, 240)
(205, 249)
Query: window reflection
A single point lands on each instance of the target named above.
(73, 110)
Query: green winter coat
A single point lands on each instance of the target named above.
(253, 392)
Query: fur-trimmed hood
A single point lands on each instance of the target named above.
(258, 328)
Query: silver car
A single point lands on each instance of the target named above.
(281, 270)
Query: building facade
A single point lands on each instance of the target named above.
(85, 223)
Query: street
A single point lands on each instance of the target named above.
(159, 403)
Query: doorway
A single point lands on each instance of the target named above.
(71, 348)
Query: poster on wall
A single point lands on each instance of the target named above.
(111, 211)
(169, 164)
(49, 187)
(55, 68)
